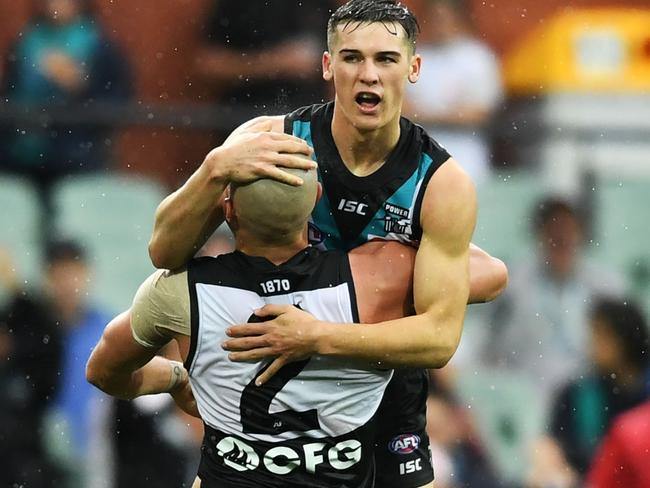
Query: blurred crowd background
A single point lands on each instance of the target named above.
(108, 105)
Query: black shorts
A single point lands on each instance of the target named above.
(402, 454)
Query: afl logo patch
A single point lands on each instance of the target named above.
(404, 444)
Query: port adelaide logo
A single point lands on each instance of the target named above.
(237, 455)
(404, 444)
(397, 219)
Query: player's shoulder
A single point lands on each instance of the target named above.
(449, 182)
(449, 200)
(307, 113)
(427, 144)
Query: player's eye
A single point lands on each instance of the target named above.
(387, 59)
(350, 58)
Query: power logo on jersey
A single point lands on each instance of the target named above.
(397, 220)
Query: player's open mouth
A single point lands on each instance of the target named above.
(367, 101)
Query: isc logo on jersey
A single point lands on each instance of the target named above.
(351, 206)
(404, 444)
(283, 460)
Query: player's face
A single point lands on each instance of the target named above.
(370, 66)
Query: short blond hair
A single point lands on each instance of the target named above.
(272, 210)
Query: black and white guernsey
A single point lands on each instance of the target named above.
(310, 426)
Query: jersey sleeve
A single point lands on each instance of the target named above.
(161, 307)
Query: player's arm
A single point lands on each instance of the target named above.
(127, 362)
(121, 367)
(185, 219)
(488, 276)
(440, 287)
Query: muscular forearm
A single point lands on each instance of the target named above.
(157, 376)
(488, 276)
(186, 218)
(387, 345)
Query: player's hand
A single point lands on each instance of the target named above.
(252, 155)
(184, 397)
(263, 123)
(289, 337)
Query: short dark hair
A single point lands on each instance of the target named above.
(549, 208)
(369, 11)
(57, 250)
(625, 320)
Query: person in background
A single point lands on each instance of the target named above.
(459, 87)
(622, 459)
(618, 382)
(457, 453)
(61, 59)
(539, 328)
(265, 56)
(585, 409)
(81, 326)
(30, 361)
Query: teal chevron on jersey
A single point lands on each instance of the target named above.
(302, 129)
(383, 205)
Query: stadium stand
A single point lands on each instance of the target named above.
(112, 216)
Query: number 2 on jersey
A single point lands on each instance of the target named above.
(256, 401)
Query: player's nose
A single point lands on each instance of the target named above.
(368, 73)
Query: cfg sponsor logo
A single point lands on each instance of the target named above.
(282, 460)
(404, 444)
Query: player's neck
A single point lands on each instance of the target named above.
(276, 252)
(364, 152)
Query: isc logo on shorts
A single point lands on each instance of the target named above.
(281, 460)
(404, 444)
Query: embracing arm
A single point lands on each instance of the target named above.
(488, 276)
(121, 367)
(125, 367)
(186, 218)
(440, 288)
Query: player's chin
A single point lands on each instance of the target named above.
(366, 123)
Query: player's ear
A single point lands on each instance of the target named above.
(414, 68)
(327, 66)
(319, 192)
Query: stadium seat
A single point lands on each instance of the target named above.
(112, 215)
(19, 221)
(506, 410)
(505, 204)
(621, 230)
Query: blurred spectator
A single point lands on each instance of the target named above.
(549, 467)
(459, 85)
(265, 55)
(458, 460)
(30, 360)
(62, 58)
(622, 460)
(81, 326)
(154, 431)
(539, 326)
(618, 382)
